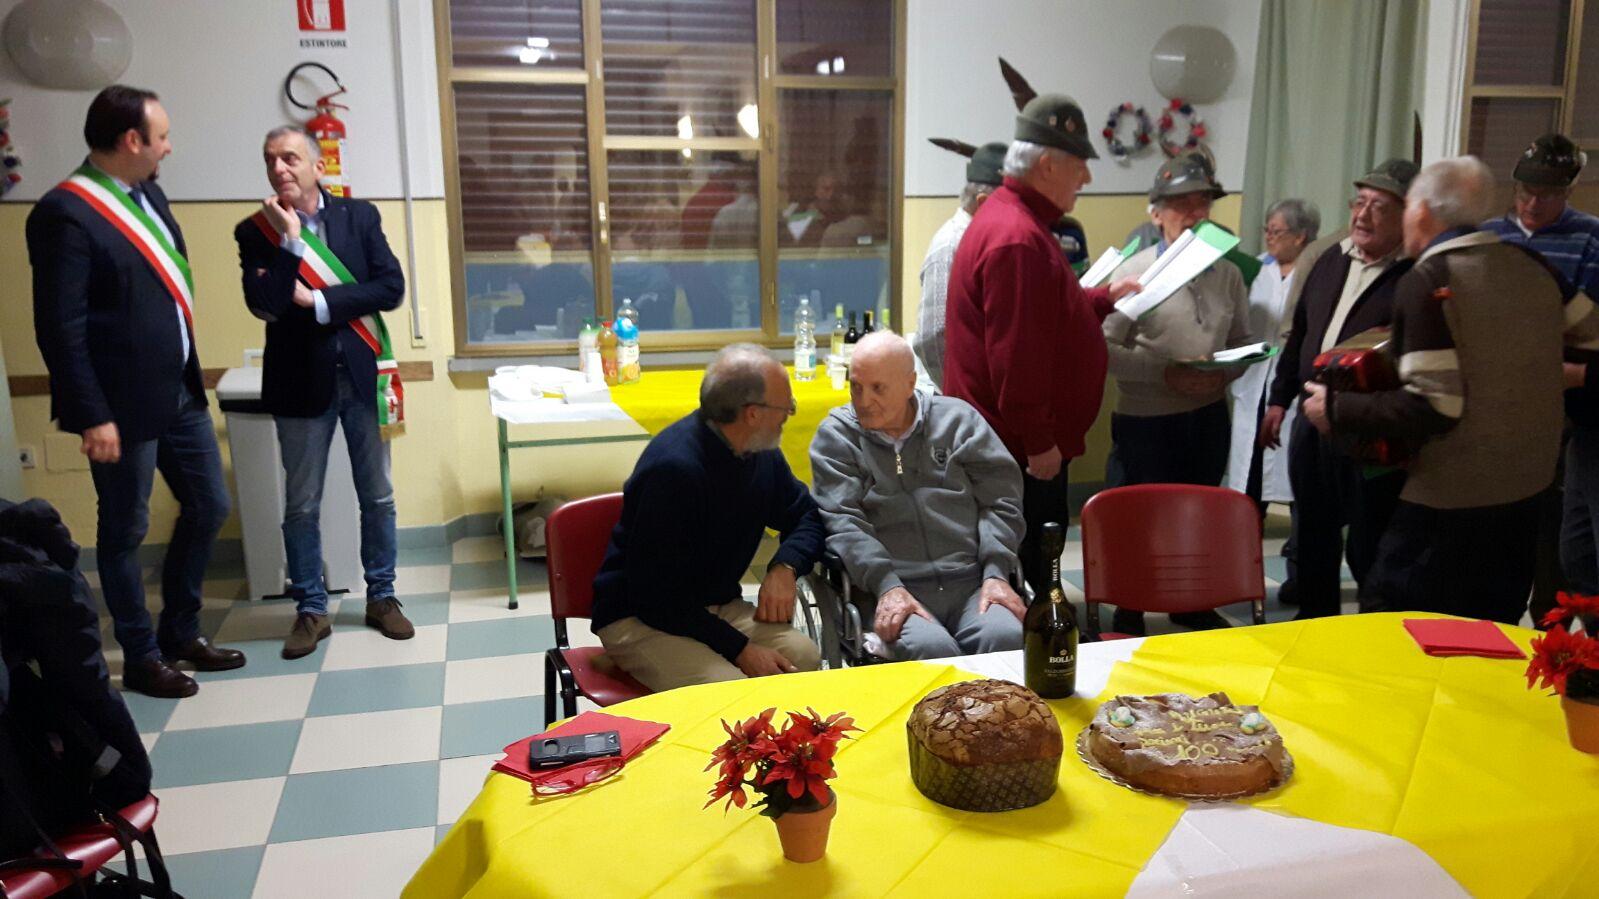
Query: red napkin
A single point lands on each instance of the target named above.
(636, 736)
(1450, 637)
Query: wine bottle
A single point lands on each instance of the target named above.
(851, 337)
(1049, 631)
(866, 324)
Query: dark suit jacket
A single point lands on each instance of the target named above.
(105, 322)
(300, 353)
(1323, 285)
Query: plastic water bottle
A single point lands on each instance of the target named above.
(628, 370)
(804, 342)
(628, 313)
(588, 344)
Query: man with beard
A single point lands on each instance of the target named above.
(668, 607)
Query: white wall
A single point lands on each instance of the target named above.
(1097, 52)
(1448, 23)
(219, 67)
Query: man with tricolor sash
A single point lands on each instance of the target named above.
(113, 312)
(318, 270)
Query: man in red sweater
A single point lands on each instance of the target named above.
(1024, 343)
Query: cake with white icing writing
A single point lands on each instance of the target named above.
(1197, 748)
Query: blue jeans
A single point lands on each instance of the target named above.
(304, 444)
(190, 463)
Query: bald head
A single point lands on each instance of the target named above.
(882, 379)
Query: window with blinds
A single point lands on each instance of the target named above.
(708, 160)
(1534, 69)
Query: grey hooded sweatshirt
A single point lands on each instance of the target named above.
(946, 505)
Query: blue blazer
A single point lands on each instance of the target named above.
(105, 322)
(301, 354)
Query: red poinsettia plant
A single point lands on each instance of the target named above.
(789, 768)
(1565, 661)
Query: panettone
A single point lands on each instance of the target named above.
(984, 746)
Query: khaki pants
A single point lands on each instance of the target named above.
(662, 661)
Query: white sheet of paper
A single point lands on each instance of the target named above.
(1233, 354)
(1106, 263)
(1192, 253)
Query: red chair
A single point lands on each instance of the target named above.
(577, 535)
(1171, 548)
(92, 846)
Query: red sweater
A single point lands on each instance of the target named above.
(1023, 337)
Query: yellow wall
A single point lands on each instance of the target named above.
(445, 466)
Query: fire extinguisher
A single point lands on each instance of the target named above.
(327, 130)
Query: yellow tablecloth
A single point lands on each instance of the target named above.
(662, 397)
(1454, 755)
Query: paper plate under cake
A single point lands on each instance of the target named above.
(1170, 744)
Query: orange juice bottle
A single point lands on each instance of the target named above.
(608, 353)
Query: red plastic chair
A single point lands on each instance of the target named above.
(577, 535)
(1171, 548)
(93, 846)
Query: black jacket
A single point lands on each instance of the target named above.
(1324, 284)
(105, 322)
(300, 353)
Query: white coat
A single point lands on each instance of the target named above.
(1269, 319)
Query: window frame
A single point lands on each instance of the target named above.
(768, 85)
(1564, 94)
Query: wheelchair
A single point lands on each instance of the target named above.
(837, 603)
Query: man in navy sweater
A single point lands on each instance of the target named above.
(1568, 240)
(667, 603)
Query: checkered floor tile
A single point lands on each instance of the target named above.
(335, 774)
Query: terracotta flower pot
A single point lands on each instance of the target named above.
(1582, 723)
(804, 834)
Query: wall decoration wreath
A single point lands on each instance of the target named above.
(1141, 137)
(1184, 111)
(10, 162)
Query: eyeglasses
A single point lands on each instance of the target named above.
(1275, 233)
(1376, 205)
(1541, 193)
(791, 409)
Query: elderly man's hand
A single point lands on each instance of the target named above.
(756, 660)
(1124, 288)
(1044, 465)
(776, 602)
(893, 608)
(1271, 427)
(1315, 407)
(997, 591)
(281, 216)
(1190, 381)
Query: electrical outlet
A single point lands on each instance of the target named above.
(28, 455)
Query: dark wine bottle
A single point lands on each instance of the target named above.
(851, 337)
(866, 326)
(1049, 632)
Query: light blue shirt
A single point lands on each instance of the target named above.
(183, 326)
(295, 245)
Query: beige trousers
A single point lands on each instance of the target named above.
(662, 661)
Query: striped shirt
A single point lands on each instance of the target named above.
(1571, 244)
(929, 342)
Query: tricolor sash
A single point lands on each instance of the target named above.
(114, 204)
(320, 269)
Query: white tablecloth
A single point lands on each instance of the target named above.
(1226, 850)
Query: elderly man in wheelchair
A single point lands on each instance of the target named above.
(923, 509)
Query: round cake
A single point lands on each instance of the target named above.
(1181, 746)
(984, 746)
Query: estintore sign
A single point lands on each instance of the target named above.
(321, 15)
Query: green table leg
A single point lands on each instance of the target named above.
(509, 528)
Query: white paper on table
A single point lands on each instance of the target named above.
(546, 410)
(1106, 263)
(1188, 256)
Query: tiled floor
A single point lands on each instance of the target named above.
(335, 774)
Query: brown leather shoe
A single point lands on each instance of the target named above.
(200, 653)
(385, 615)
(153, 677)
(308, 631)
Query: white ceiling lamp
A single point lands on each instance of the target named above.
(750, 120)
(68, 44)
(1193, 63)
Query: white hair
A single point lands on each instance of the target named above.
(1023, 155)
(1299, 217)
(313, 150)
(1457, 191)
